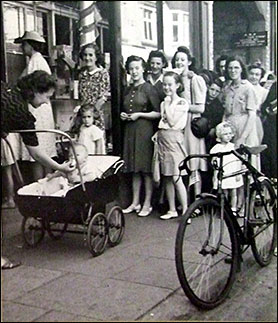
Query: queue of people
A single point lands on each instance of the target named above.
(159, 105)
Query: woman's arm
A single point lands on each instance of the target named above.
(46, 161)
(146, 115)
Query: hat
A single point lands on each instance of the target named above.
(30, 35)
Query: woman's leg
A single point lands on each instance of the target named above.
(136, 186)
(181, 193)
(9, 186)
(148, 192)
(170, 193)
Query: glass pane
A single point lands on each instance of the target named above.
(12, 31)
(175, 33)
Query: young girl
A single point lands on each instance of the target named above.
(87, 133)
(225, 131)
(170, 140)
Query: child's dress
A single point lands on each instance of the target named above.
(231, 164)
(171, 148)
(88, 137)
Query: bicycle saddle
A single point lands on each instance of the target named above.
(255, 150)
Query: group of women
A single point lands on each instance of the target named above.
(239, 99)
(141, 111)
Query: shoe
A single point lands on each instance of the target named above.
(189, 221)
(145, 213)
(10, 265)
(132, 208)
(169, 215)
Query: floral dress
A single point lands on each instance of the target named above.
(93, 86)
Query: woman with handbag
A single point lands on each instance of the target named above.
(195, 92)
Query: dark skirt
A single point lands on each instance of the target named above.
(138, 146)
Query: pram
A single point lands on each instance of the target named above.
(82, 205)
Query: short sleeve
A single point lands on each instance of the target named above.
(97, 133)
(199, 90)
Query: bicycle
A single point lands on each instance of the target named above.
(208, 252)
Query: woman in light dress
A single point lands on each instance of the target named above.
(31, 43)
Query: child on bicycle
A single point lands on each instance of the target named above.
(170, 140)
(86, 132)
(225, 132)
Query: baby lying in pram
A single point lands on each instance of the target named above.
(58, 183)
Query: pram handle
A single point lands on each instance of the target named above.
(59, 132)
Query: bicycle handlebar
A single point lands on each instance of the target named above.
(243, 149)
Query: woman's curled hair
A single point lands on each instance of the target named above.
(36, 82)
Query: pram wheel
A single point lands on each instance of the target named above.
(55, 230)
(97, 234)
(116, 226)
(32, 230)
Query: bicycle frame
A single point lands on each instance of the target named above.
(248, 173)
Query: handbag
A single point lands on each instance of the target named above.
(200, 127)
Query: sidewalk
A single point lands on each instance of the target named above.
(59, 281)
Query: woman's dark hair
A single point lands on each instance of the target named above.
(36, 82)
(184, 49)
(133, 58)
(37, 46)
(238, 59)
(259, 66)
(177, 79)
(99, 56)
(159, 54)
(217, 63)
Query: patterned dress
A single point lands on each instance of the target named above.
(43, 114)
(93, 86)
(138, 146)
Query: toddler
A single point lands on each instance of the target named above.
(87, 133)
(225, 131)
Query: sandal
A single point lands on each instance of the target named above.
(10, 265)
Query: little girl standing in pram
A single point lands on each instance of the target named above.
(86, 132)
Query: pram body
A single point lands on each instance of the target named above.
(83, 205)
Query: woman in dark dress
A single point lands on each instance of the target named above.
(140, 108)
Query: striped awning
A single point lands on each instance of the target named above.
(89, 18)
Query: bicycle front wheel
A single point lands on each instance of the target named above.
(263, 234)
(206, 269)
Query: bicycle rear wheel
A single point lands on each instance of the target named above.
(203, 273)
(263, 235)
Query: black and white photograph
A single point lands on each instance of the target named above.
(139, 161)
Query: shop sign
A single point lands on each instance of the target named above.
(250, 39)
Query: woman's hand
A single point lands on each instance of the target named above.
(100, 102)
(124, 116)
(134, 116)
(67, 167)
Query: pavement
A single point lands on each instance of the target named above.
(60, 281)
